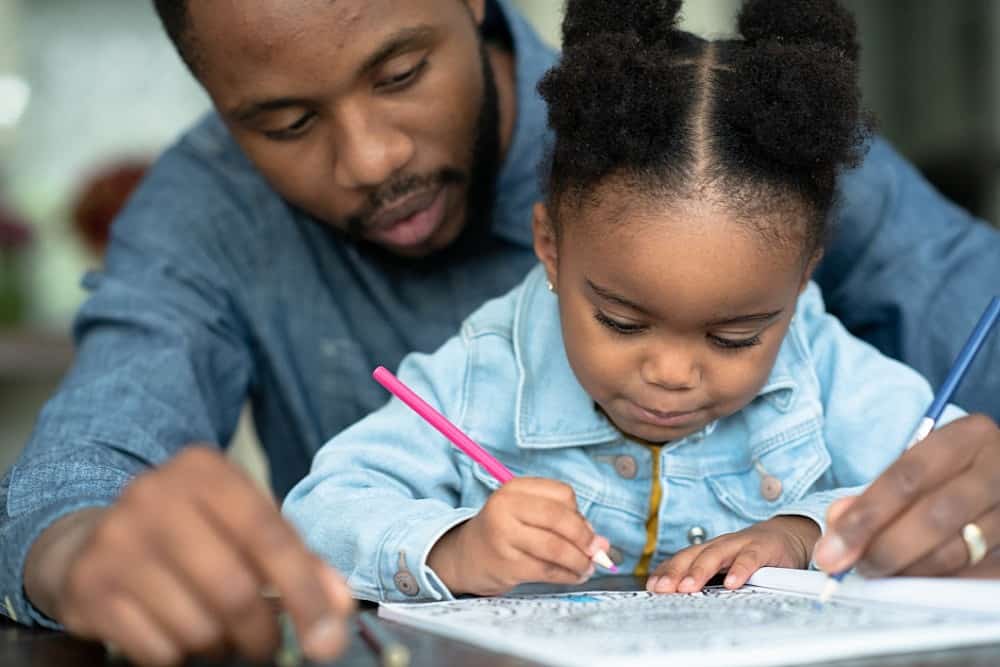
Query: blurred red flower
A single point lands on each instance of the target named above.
(101, 198)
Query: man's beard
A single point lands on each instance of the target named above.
(480, 180)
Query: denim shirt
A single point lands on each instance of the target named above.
(831, 416)
(216, 291)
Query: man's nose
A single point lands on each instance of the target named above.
(369, 150)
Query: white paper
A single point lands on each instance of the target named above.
(774, 621)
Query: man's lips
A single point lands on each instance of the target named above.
(412, 223)
(408, 207)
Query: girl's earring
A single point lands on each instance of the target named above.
(552, 287)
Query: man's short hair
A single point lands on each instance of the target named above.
(176, 21)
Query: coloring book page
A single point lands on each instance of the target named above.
(756, 625)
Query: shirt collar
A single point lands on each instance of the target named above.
(553, 410)
(518, 183)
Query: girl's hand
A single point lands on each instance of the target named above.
(529, 530)
(784, 541)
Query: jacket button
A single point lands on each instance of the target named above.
(615, 554)
(626, 467)
(696, 535)
(770, 487)
(406, 583)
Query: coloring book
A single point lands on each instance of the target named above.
(773, 620)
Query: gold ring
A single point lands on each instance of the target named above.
(975, 542)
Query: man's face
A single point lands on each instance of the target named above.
(366, 114)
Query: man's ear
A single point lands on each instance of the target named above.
(810, 269)
(546, 243)
(478, 9)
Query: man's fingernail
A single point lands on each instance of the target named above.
(663, 585)
(687, 582)
(830, 549)
(651, 584)
(323, 638)
(730, 581)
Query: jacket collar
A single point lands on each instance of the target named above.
(553, 410)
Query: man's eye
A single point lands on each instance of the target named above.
(623, 328)
(403, 78)
(297, 128)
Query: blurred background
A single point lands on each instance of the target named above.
(90, 92)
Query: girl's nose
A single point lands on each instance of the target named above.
(672, 368)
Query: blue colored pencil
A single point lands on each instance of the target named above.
(944, 394)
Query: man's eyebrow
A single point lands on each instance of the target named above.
(248, 110)
(608, 295)
(399, 42)
(746, 319)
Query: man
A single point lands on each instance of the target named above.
(365, 183)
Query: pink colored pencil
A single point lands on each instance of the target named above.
(457, 438)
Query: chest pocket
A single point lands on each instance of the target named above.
(483, 484)
(780, 471)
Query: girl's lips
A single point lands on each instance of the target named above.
(667, 419)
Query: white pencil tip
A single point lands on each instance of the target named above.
(602, 559)
(828, 590)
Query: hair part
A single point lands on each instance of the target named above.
(760, 126)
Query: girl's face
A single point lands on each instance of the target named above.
(672, 316)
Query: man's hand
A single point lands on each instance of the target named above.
(910, 520)
(176, 566)
(784, 541)
(529, 530)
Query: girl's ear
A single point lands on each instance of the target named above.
(546, 243)
(478, 9)
(810, 268)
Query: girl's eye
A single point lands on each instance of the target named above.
(731, 344)
(623, 328)
(404, 78)
(294, 130)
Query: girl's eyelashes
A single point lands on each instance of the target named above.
(732, 344)
(618, 327)
(629, 329)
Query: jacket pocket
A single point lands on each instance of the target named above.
(780, 471)
(484, 484)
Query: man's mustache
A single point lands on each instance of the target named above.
(391, 193)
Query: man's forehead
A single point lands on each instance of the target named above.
(269, 21)
(237, 39)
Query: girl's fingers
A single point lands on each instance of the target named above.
(531, 569)
(717, 556)
(669, 573)
(553, 550)
(748, 561)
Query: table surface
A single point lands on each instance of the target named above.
(39, 648)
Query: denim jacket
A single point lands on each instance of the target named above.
(831, 416)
